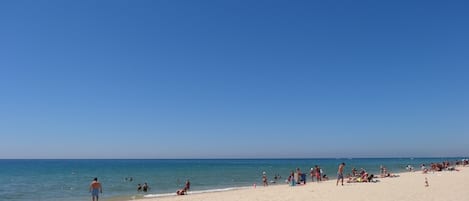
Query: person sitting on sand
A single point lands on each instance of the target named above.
(364, 177)
(325, 177)
(182, 191)
(354, 172)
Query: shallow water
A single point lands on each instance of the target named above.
(25, 180)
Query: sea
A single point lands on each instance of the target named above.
(61, 179)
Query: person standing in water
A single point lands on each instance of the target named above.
(264, 179)
(95, 189)
(188, 185)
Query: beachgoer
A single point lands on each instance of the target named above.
(312, 174)
(424, 168)
(354, 172)
(318, 173)
(188, 185)
(145, 187)
(384, 171)
(297, 175)
(95, 189)
(264, 179)
(410, 168)
(325, 177)
(181, 191)
(340, 174)
(139, 188)
(292, 179)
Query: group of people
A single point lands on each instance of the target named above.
(143, 188)
(316, 173)
(96, 188)
(445, 165)
(297, 177)
(363, 175)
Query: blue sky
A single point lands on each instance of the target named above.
(233, 79)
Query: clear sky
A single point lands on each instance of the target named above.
(233, 79)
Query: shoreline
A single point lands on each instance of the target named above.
(327, 190)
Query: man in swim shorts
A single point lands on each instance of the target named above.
(95, 189)
(340, 174)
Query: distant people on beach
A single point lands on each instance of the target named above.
(364, 176)
(354, 172)
(409, 168)
(129, 179)
(320, 172)
(297, 175)
(424, 168)
(317, 172)
(312, 174)
(340, 174)
(276, 177)
(95, 189)
(325, 177)
(182, 191)
(382, 171)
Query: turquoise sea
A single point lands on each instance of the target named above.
(53, 180)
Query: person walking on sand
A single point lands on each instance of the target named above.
(95, 189)
(340, 174)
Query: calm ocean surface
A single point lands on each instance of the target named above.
(25, 180)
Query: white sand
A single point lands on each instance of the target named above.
(447, 186)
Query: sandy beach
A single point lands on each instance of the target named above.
(409, 186)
